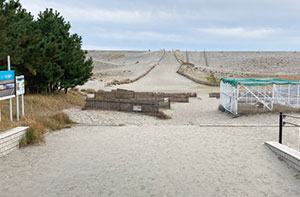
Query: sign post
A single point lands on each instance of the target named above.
(17, 106)
(10, 100)
(20, 90)
(23, 110)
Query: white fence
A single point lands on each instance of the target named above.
(264, 96)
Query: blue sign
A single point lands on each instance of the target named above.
(7, 75)
(7, 84)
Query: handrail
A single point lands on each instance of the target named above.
(283, 123)
(291, 116)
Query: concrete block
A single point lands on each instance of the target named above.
(9, 140)
(291, 156)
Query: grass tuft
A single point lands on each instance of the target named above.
(90, 91)
(42, 112)
(31, 137)
(160, 115)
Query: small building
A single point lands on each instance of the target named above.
(242, 96)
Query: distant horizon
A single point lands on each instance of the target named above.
(142, 50)
(228, 25)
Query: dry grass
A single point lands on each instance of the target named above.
(90, 91)
(42, 112)
(160, 115)
(75, 89)
(286, 77)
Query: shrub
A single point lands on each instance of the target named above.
(211, 79)
(23, 142)
(31, 137)
(62, 118)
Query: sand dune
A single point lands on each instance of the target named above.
(246, 63)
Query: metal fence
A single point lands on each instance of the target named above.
(283, 122)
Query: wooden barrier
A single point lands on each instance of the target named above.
(123, 105)
(127, 94)
(214, 95)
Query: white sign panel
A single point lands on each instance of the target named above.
(166, 100)
(137, 108)
(20, 85)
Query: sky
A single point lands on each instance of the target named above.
(211, 25)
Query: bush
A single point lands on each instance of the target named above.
(62, 118)
(212, 79)
(23, 142)
(31, 137)
(57, 122)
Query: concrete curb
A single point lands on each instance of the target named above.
(9, 140)
(289, 155)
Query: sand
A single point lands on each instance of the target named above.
(243, 63)
(118, 65)
(148, 161)
(146, 156)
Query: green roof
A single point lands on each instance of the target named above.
(259, 82)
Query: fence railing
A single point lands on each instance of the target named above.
(283, 123)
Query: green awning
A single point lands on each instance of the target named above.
(259, 82)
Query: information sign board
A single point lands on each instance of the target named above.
(7, 84)
(20, 85)
(137, 108)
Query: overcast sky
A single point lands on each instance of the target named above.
(180, 24)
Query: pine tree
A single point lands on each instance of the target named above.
(77, 70)
(43, 50)
(62, 53)
(16, 34)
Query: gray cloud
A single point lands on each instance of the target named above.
(262, 24)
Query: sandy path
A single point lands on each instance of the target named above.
(122, 68)
(148, 161)
(163, 78)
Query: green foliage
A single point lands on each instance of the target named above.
(31, 137)
(23, 142)
(211, 79)
(43, 49)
